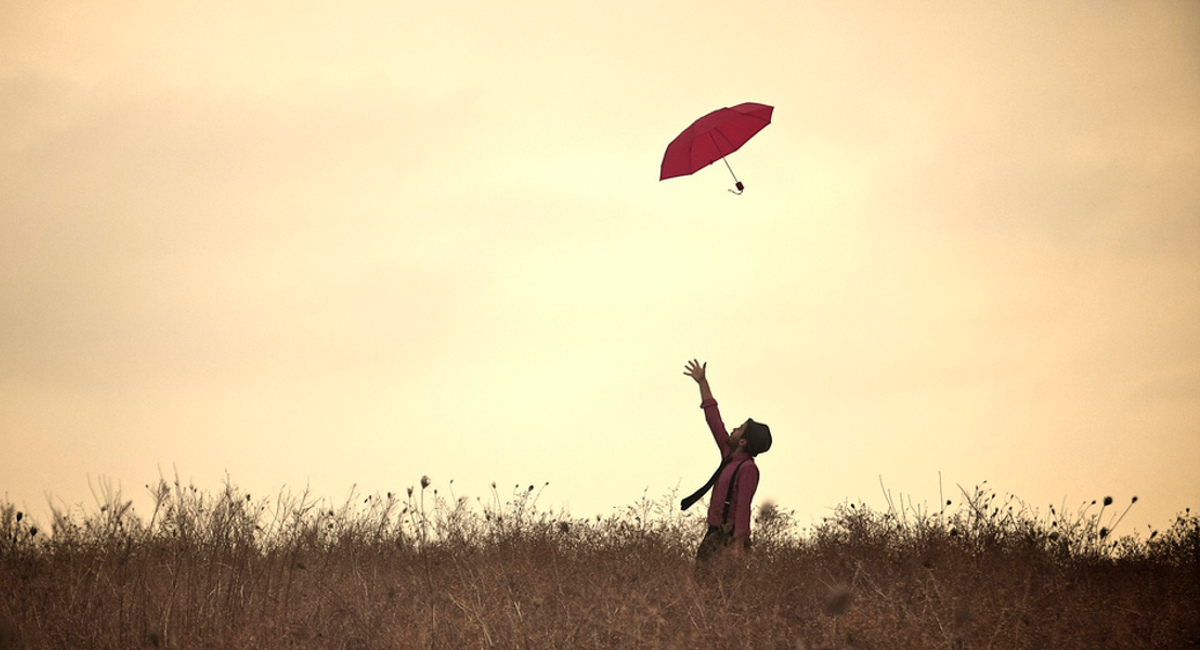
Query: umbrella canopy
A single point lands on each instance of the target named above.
(713, 137)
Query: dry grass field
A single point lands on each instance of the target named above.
(428, 569)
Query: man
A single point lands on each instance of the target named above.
(735, 480)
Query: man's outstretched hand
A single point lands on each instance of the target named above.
(695, 370)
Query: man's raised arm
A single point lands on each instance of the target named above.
(712, 415)
(695, 370)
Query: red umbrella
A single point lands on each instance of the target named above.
(713, 137)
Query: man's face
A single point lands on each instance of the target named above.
(737, 435)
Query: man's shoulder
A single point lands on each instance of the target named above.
(747, 464)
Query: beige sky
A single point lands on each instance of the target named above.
(358, 242)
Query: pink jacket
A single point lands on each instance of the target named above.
(747, 478)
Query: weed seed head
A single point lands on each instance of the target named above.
(1108, 501)
(424, 482)
(768, 511)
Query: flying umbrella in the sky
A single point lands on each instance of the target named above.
(713, 137)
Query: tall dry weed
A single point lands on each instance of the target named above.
(426, 568)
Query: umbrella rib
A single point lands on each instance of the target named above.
(715, 145)
(718, 147)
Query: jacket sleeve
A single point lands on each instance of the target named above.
(747, 485)
(712, 415)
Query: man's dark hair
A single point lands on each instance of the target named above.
(758, 437)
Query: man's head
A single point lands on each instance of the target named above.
(752, 437)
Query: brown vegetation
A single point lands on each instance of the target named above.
(426, 570)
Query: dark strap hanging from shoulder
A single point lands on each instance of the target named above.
(729, 492)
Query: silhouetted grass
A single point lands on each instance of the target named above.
(429, 569)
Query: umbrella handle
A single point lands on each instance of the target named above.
(740, 187)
